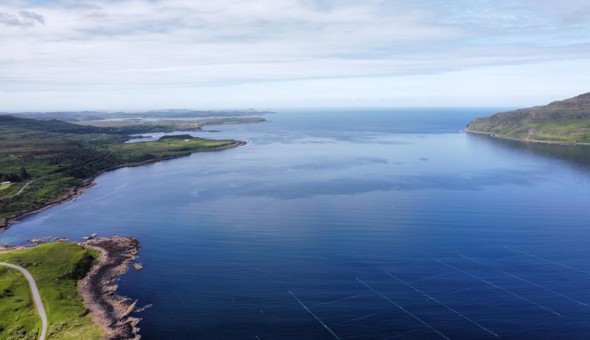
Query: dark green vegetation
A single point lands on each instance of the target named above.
(46, 160)
(171, 137)
(56, 268)
(566, 121)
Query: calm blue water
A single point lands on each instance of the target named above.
(350, 224)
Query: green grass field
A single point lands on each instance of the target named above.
(5, 186)
(56, 268)
(19, 319)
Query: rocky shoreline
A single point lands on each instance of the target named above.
(110, 311)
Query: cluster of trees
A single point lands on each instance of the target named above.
(82, 267)
(15, 177)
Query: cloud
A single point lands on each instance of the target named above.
(22, 19)
(129, 45)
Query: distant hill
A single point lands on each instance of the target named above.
(84, 116)
(52, 125)
(565, 121)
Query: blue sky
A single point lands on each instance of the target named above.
(134, 54)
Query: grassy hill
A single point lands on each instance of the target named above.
(47, 160)
(565, 121)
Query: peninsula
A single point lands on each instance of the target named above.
(73, 287)
(44, 162)
(561, 122)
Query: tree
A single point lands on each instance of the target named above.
(11, 178)
(24, 174)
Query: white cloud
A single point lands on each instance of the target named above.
(21, 19)
(132, 47)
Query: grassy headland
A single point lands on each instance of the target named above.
(47, 161)
(566, 121)
(56, 267)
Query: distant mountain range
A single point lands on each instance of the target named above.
(84, 116)
(565, 121)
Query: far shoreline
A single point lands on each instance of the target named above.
(536, 141)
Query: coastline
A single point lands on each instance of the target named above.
(526, 140)
(110, 311)
(89, 183)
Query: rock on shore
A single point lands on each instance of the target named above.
(98, 288)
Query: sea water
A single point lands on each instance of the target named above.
(350, 224)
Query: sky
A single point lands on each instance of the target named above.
(268, 54)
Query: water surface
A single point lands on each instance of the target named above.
(350, 224)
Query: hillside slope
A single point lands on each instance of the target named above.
(565, 121)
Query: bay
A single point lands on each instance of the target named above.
(350, 224)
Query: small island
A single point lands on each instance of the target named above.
(560, 122)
